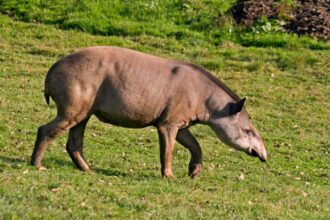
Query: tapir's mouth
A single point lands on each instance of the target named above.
(252, 152)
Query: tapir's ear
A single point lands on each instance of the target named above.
(236, 107)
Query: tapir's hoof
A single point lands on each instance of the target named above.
(86, 169)
(41, 168)
(90, 172)
(37, 165)
(194, 170)
(171, 176)
(168, 175)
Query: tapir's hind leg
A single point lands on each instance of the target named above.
(186, 138)
(46, 134)
(74, 145)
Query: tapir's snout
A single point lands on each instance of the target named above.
(260, 153)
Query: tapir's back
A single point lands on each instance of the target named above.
(126, 87)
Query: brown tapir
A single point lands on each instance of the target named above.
(133, 89)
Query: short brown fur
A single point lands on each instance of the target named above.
(132, 89)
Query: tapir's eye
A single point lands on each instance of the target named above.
(248, 131)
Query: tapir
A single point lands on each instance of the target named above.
(132, 89)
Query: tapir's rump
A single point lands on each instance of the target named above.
(133, 89)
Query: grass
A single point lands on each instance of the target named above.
(193, 21)
(288, 97)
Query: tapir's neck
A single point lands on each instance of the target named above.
(216, 102)
(214, 94)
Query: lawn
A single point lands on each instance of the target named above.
(288, 91)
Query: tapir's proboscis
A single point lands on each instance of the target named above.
(131, 89)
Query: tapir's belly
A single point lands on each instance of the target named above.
(129, 109)
(129, 121)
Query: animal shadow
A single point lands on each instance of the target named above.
(16, 163)
(12, 161)
(110, 172)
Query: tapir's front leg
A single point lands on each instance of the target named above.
(167, 136)
(186, 138)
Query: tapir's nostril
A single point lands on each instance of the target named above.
(262, 159)
(253, 153)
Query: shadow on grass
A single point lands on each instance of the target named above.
(110, 172)
(65, 163)
(49, 162)
(55, 162)
(13, 161)
(132, 176)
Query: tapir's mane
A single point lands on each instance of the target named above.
(215, 80)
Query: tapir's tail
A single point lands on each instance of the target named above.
(46, 98)
(46, 86)
(46, 93)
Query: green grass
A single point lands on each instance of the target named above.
(288, 97)
(187, 21)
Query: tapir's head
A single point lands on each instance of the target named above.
(233, 126)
